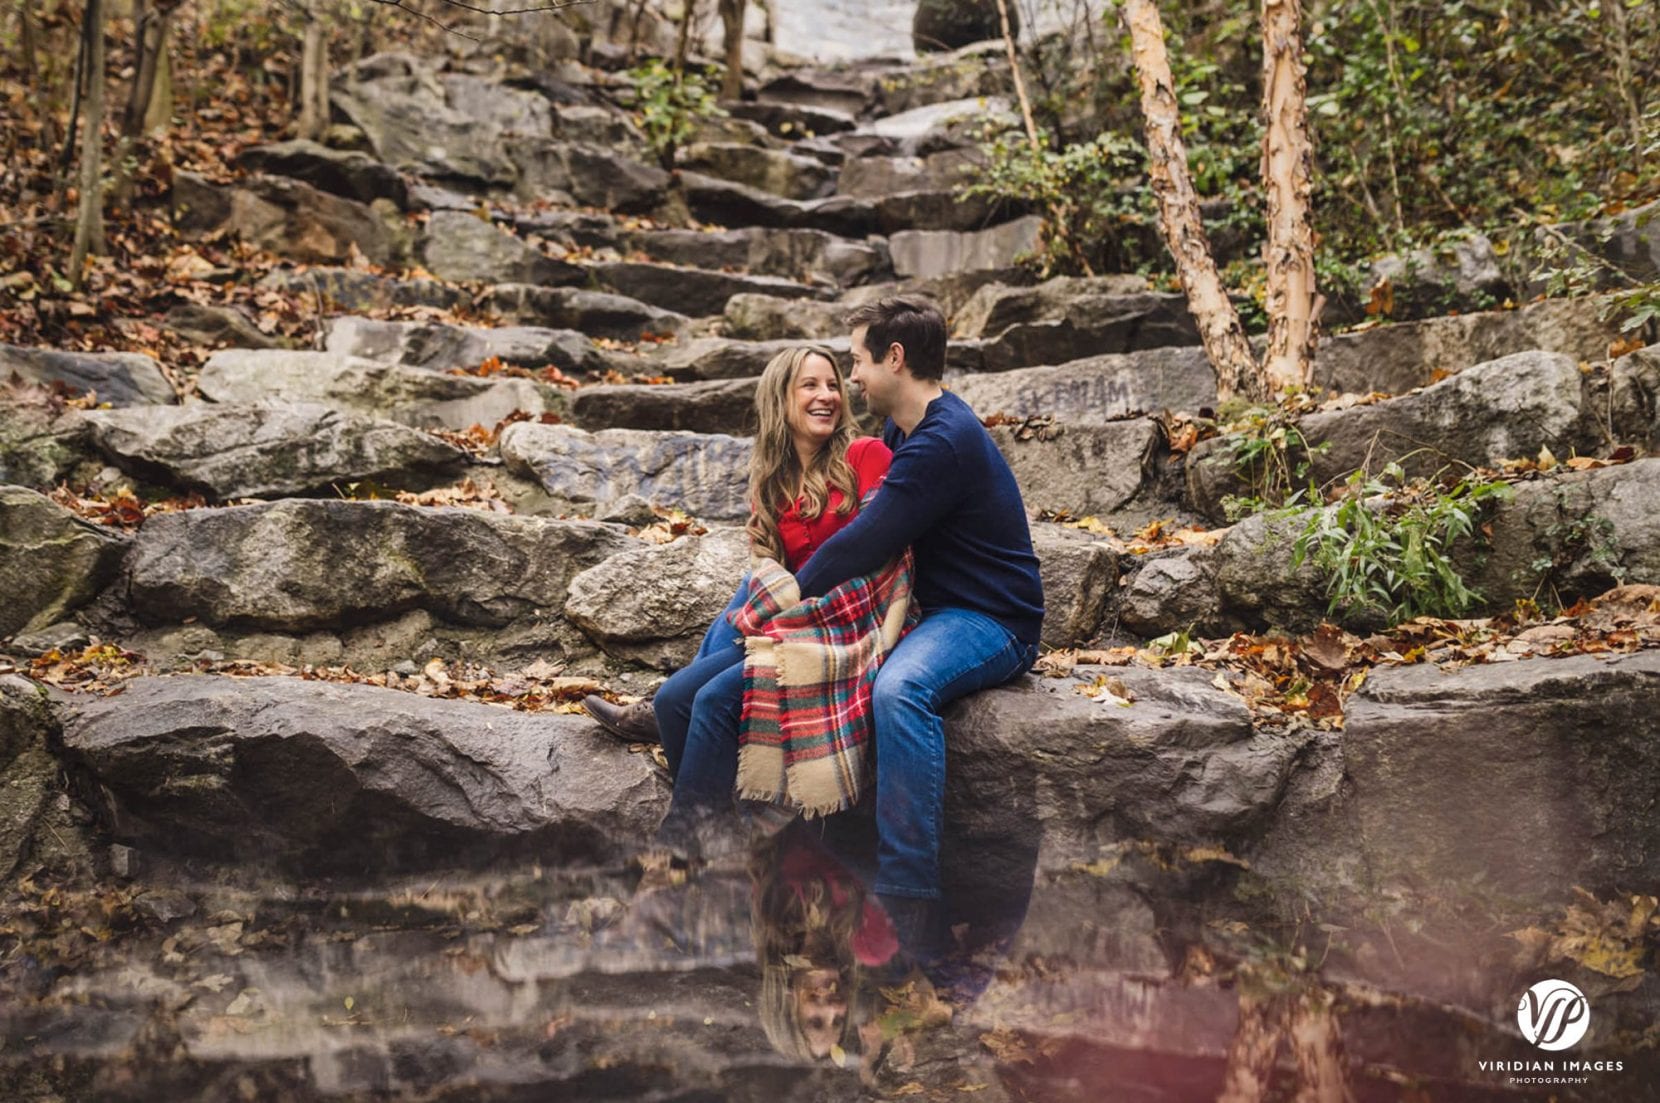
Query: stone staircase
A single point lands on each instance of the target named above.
(540, 211)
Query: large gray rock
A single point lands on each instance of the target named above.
(772, 170)
(1079, 573)
(716, 406)
(287, 217)
(463, 247)
(326, 777)
(1504, 409)
(705, 474)
(41, 443)
(1079, 469)
(1396, 358)
(1039, 761)
(1068, 319)
(1563, 748)
(696, 292)
(411, 126)
(845, 90)
(592, 176)
(440, 347)
(1172, 591)
(300, 564)
(220, 327)
(953, 124)
(796, 254)
(270, 450)
(652, 605)
(413, 396)
(975, 70)
(926, 253)
(724, 358)
(1572, 535)
(28, 770)
(1096, 390)
(769, 318)
(119, 378)
(1634, 399)
(1428, 282)
(346, 289)
(593, 313)
(348, 173)
(874, 177)
(951, 24)
(729, 204)
(922, 210)
(51, 562)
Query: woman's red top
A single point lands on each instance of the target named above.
(870, 459)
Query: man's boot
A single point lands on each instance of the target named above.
(636, 723)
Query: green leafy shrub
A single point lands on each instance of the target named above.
(669, 106)
(1385, 546)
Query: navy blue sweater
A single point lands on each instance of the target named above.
(951, 498)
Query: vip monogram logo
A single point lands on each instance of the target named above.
(1553, 1014)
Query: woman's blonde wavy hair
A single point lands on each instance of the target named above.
(775, 469)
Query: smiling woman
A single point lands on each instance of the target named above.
(807, 476)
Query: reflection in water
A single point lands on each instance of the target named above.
(772, 978)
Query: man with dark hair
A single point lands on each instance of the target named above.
(951, 498)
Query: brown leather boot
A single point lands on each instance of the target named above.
(636, 723)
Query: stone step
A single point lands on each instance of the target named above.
(319, 776)
(695, 292)
(727, 204)
(270, 449)
(595, 314)
(925, 254)
(119, 378)
(463, 248)
(1095, 390)
(351, 291)
(413, 396)
(439, 347)
(776, 171)
(793, 120)
(1576, 533)
(873, 177)
(1396, 358)
(361, 582)
(1067, 319)
(1509, 408)
(51, 562)
(284, 216)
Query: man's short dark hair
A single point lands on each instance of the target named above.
(916, 325)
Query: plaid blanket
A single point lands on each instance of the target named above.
(804, 738)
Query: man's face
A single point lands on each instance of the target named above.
(872, 376)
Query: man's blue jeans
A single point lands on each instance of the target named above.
(951, 653)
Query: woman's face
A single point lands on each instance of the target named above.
(820, 1008)
(815, 402)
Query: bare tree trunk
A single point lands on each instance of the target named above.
(682, 45)
(89, 221)
(732, 31)
(1622, 70)
(1184, 230)
(151, 102)
(1014, 71)
(1250, 1062)
(1287, 161)
(314, 75)
(26, 40)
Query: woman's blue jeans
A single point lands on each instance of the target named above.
(950, 654)
(722, 647)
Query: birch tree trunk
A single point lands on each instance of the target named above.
(1287, 165)
(314, 75)
(89, 219)
(732, 37)
(1250, 1062)
(1184, 231)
